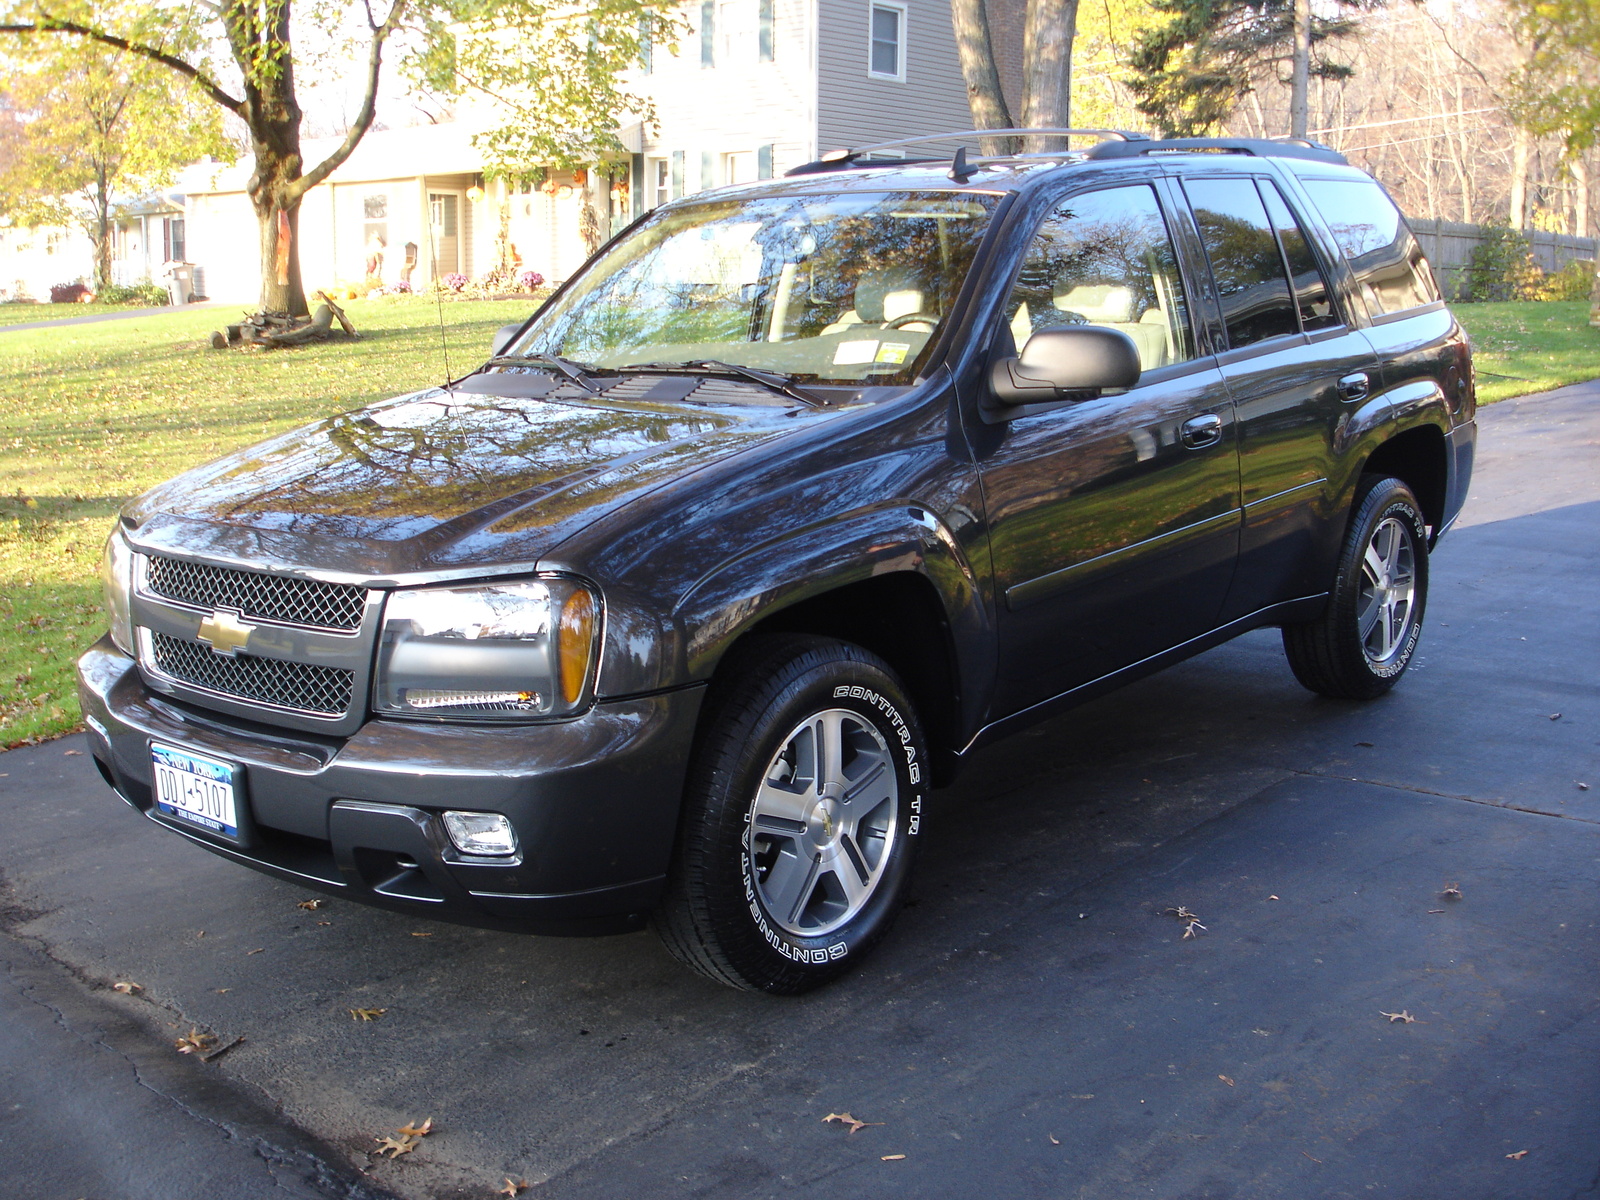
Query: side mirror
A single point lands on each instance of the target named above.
(1084, 359)
(503, 337)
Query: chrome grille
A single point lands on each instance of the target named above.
(300, 686)
(284, 598)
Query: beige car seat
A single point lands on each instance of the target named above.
(1113, 305)
(887, 295)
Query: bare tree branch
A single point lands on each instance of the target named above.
(200, 79)
(363, 121)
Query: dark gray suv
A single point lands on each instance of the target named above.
(796, 495)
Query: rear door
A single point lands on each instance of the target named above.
(1112, 522)
(1296, 368)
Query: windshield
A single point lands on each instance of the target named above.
(844, 289)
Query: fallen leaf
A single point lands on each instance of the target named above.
(395, 1147)
(1181, 912)
(127, 988)
(1189, 929)
(1271, 897)
(1435, 911)
(1553, 717)
(1519, 1154)
(194, 1041)
(1582, 787)
(412, 1129)
(1225, 1080)
(512, 1187)
(70, 753)
(846, 1119)
(422, 935)
(220, 1051)
(893, 1157)
(1404, 1016)
(223, 991)
(202, 933)
(1318, 1161)
(311, 905)
(366, 1014)
(324, 922)
(1452, 891)
(1054, 1140)
(257, 950)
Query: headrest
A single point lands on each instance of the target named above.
(888, 294)
(1100, 302)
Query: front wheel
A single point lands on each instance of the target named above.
(1364, 641)
(803, 808)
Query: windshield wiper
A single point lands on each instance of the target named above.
(580, 373)
(775, 380)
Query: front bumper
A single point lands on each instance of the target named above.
(594, 801)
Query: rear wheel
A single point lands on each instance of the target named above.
(1364, 640)
(803, 808)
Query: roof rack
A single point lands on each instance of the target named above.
(845, 159)
(1260, 147)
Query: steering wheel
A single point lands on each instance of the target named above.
(911, 318)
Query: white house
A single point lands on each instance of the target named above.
(758, 87)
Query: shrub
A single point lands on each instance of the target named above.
(528, 280)
(70, 293)
(1502, 267)
(1575, 281)
(152, 295)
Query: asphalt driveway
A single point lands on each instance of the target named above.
(1037, 1026)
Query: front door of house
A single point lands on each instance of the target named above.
(444, 218)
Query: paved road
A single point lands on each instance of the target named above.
(1037, 1026)
(92, 318)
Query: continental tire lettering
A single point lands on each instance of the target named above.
(799, 954)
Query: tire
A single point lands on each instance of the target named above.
(781, 884)
(1364, 641)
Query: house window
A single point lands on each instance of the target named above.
(708, 33)
(886, 49)
(736, 21)
(659, 173)
(172, 239)
(764, 24)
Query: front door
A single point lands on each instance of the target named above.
(1113, 522)
(444, 217)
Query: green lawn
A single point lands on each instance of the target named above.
(1530, 347)
(18, 314)
(93, 414)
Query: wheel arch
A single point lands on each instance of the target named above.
(893, 582)
(1419, 457)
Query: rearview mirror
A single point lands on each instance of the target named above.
(503, 337)
(1084, 359)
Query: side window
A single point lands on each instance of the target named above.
(1105, 258)
(1389, 266)
(1310, 288)
(1245, 263)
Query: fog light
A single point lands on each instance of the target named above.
(480, 833)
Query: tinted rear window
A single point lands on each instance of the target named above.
(1390, 269)
(1245, 261)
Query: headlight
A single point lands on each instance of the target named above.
(116, 578)
(499, 652)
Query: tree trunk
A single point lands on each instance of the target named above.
(1518, 213)
(1047, 69)
(969, 19)
(1300, 80)
(101, 235)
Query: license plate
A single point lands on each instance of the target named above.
(195, 789)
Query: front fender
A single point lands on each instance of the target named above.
(899, 536)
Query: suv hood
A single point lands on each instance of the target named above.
(447, 480)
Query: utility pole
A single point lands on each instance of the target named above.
(1300, 81)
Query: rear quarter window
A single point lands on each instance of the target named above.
(1390, 269)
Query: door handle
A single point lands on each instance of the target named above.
(1199, 432)
(1355, 387)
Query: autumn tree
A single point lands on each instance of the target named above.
(90, 124)
(1558, 87)
(252, 74)
(1190, 71)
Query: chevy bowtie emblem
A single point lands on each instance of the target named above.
(225, 632)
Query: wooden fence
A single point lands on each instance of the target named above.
(1449, 246)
